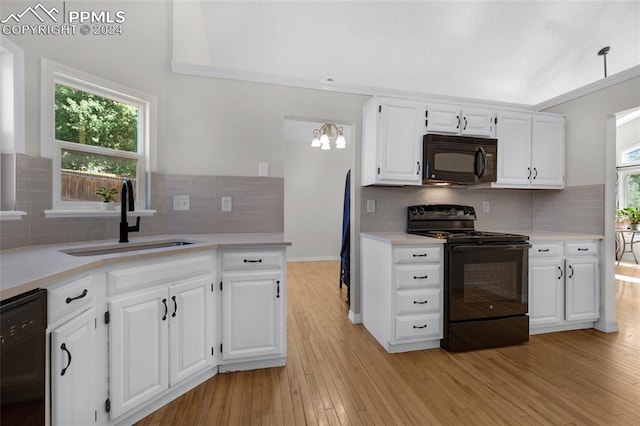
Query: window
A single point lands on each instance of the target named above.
(629, 187)
(631, 155)
(97, 134)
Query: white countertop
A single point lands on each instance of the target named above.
(404, 238)
(28, 268)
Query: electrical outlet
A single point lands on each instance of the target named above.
(371, 206)
(486, 207)
(181, 202)
(226, 204)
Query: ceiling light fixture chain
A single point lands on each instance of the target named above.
(322, 136)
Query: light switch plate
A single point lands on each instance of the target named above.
(181, 202)
(486, 208)
(226, 204)
(371, 206)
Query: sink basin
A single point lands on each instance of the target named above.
(124, 247)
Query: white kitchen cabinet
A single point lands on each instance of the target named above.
(159, 336)
(563, 286)
(138, 339)
(531, 151)
(253, 307)
(73, 399)
(402, 294)
(392, 132)
(548, 151)
(453, 119)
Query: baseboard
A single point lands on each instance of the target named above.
(355, 318)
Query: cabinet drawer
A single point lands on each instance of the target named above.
(425, 301)
(417, 254)
(69, 298)
(418, 327)
(411, 276)
(545, 250)
(588, 248)
(253, 259)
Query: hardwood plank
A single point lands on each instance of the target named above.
(336, 373)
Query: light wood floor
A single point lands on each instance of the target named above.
(337, 373)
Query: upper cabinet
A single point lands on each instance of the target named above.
(441, 118)
(392, 131)
(531, 150)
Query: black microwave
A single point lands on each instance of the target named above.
(461, 160)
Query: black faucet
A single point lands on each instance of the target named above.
(126, 199)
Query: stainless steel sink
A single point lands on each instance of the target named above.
(124, 247)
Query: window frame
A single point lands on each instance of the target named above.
(623, 187)
(54, 73)
(625, 152)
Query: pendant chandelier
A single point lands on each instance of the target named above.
(323, 135)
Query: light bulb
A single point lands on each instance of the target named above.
(325, 145)
(324, 139)
(315, 143)
(341, 142)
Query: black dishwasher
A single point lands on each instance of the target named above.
(22, 359)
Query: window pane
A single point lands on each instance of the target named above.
(633, 190)
(89, 119)
(84, 173)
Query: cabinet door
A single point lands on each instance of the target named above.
(72, 388)
(546, 292)
(548, 152)
(400, 142)
(582, 289)
(444, 119)
(513, 131)
(190, 328)
(138, 361)
(476, 122)
(252, 315)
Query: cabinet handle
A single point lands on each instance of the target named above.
(64, 348)
(420, 326)
(535, 170)
(175, 306)
(420, 255)
(418, 172)
(166, 309)
(278, 289)
(583, 249)
(415, 302)
(529, 168)
(71, 299)
(424, 277)
(543, 250)
(465, 124)
(458, 126)
(252, 261)
(560, 270)
(571, 268)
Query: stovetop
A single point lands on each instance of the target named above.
(454, 223)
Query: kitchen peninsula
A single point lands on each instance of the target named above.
(131, 330)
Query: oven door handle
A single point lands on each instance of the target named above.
(486, 246)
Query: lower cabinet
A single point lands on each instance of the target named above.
(563, 286)
(254, 295)
(72, 371)
(156, 339)
(402, 294)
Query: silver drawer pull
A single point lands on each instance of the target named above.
(420, 255)
(415, 302)
(420, 326)
(424, 277)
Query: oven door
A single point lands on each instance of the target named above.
(487, 281)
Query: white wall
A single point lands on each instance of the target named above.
(591, 159)
(628, 135)
(313, 199)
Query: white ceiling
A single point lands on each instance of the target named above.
(512, 51)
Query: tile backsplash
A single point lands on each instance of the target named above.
(575, 209)
(258, 206)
